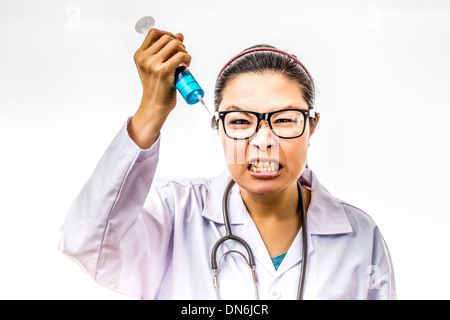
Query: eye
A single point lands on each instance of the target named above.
(285, 120)
(238, 121)
(282, 121)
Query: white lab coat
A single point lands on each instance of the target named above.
(152, 238)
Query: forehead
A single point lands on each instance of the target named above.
(262, 93)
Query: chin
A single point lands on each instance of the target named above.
(262, 187)
(262, 183)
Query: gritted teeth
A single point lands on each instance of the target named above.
(264, 166)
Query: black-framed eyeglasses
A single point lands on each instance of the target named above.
(285, 123)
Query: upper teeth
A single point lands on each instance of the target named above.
(264, 166)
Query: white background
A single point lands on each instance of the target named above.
(68, 83)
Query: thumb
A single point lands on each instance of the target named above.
(180, 36)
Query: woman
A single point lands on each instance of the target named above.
(152, 238)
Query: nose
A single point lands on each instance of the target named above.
(264, 138)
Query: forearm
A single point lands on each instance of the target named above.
(146, 124)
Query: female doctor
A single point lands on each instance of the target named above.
(275, 232)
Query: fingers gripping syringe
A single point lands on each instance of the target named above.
(184, 81)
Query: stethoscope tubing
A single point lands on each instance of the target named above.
(301, 284)
(251, 259)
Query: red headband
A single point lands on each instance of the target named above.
(267, 49)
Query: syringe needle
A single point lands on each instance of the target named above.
(203, 103)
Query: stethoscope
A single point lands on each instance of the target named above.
(251, 259)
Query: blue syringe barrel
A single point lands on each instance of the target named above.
(187, 85)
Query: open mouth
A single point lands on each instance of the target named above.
(259, 166)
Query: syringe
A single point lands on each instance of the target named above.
(188, 86)
(184, 81)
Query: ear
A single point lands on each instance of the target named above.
(214, 123)
(313, 125)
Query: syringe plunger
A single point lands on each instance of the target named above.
(144, 25)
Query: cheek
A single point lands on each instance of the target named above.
(296, 153)
(234, 151)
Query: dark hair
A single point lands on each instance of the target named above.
(261, 62)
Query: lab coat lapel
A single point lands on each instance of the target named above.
(255, 241)
(294, 254)
(213, 205)
(325, 215)
(236, 213)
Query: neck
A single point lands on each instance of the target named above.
(277, 216)
(280, 206)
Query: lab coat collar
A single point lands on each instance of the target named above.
(213, 206)
(325, 214)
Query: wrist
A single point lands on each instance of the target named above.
(145, 126)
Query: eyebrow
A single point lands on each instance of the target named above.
(234, 107)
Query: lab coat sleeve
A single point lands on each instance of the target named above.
(104, 230)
